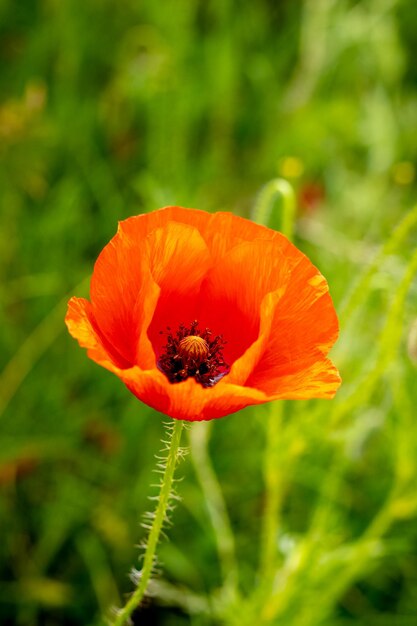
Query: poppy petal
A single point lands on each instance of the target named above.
(179, 261)
(127, 283)
(235, 302)
(178, 258)
(304, 328)
(224, 231)
(319, 380)
(188, 400)
(221, 231)
(122, 293)
(80, 323)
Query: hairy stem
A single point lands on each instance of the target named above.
(158, 519)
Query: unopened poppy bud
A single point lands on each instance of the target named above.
(193, 348)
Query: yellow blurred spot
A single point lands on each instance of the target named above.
(35, 96)
(404, 508)
(46, 591)
(403, 173)
(11, 120)
(111, 526)
(297, 448)
(17, 116)
(35, 185)
(291, 167)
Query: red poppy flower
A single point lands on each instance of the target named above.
(203, 314)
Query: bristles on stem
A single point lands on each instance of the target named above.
(155, 520)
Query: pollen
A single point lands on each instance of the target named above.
(193, 348)
(191, 352)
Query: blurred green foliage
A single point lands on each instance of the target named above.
(109, 109)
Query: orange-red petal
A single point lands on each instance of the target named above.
(122, 294)
(81, 325)
(304, 328)
(188, 400)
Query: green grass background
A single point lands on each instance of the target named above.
(109, 109)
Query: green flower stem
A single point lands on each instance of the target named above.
(155, 531)
(216, 506)
(273, 490)
(264, 213)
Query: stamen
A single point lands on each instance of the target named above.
(193, 353)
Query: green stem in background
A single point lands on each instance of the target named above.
(360, 289)
(272, 469)
(264, 213)
(387, 346)
(33, 347)
(216, 506)
(159, 517)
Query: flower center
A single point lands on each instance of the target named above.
(193, 348)
(191, 352)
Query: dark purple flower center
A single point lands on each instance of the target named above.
(191, 352)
